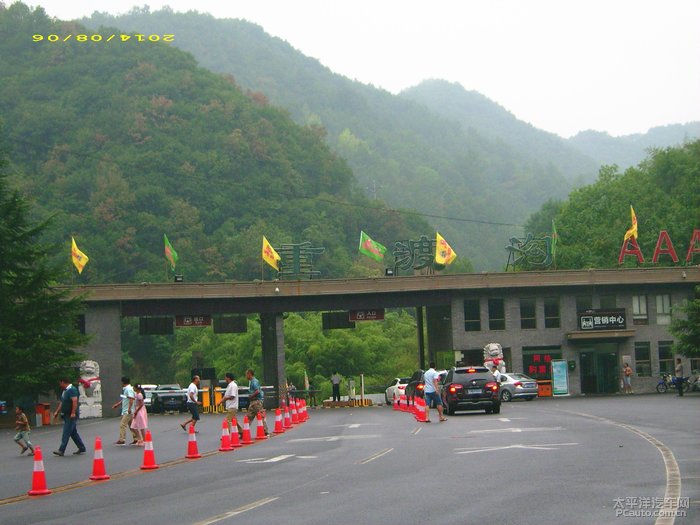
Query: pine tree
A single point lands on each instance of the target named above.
(38, 331)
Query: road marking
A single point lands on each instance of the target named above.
(236, 512)
(265, 460)
(307, 457)
(355, 425)
(515, 429)
(504, 419)
(335, 438)
(416, 430)
(544, 446)
(673, 473)
(375, 456)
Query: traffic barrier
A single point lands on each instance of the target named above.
(246, 432)
(192, 451)
(279, 427)
(39, 487)
(98, 463)
(260, 430)
(149, 456)
(287, 419)
(225, 437)
(295, 415)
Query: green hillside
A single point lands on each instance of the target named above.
(123, 141)
(399, 150)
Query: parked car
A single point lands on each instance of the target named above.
(397, 388)
(416, 384)
(168, 398)
(148, 390)
(514, 386)
(471, 388)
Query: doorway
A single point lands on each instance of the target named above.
(600, 369)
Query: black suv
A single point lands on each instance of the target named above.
(471, 388)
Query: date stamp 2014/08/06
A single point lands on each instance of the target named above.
(96, 38)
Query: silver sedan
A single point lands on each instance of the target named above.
(514, 385)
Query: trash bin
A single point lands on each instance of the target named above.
(46, 417)
(3, 407)
(544, 388)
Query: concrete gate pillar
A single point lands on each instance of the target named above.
(103, 326)
(272, 336)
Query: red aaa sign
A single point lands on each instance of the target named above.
(664, 246)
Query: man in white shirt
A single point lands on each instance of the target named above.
(127, 412)
(432, 392)
(230, 401)
(496, 374)
(192, 403)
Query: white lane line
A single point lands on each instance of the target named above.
(236, 512)
(355, 425)
(544, 446)
(673, 473)
(335, 438)
(307, 457)
(266, 460)
(375, 456)
(504, 419)
(515, 429)
(415, 431)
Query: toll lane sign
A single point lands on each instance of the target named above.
(185, 321)
(367, 315)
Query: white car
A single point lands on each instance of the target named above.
(396, 387)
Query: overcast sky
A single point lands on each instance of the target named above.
(620, 66)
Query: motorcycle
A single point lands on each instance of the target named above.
(668, 381)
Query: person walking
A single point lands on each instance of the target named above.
(627, 378)
(192, 403)
(256, 398)
(679, 376)
(230, 402)
(139, 423)
(126, 402)
(23, 431)
(335, 380)
(70, 411)
(432, 392)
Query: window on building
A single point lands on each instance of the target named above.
(551, 312)
(694, 366)
(537, 361)
(472, 357)
(472, 315)
(663, 309)
(666, 357)
(639, 309)
(608, 302)
(583, 303)
(497, 314)
(528, 313)
(642, 358)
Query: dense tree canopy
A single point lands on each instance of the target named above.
(38, 331)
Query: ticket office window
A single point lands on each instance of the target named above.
(537, 362)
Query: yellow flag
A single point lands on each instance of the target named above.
(444, 254)
(269, 255)
(632, 232)
(79, 258)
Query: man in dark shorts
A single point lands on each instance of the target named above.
(432, 392)
(192, 403)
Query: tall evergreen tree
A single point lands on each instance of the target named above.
(687, 331)
(38, 333)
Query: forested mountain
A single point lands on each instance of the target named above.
(664, 191)
(629, 150)
(124, 141)
(475, 111)
(398, 149)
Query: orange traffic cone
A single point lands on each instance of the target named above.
(149, 456)
(302, 414)
(225, 437)
(98, 462)
(403, 403)
(287, 419)
(279, 428)
(235, 439)
(295, 416)
(192, 451)
(419, 411)
(246, 432)
(39, 476)
(260, 431)
(394, 405)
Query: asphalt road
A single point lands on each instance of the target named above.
(568, 460)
